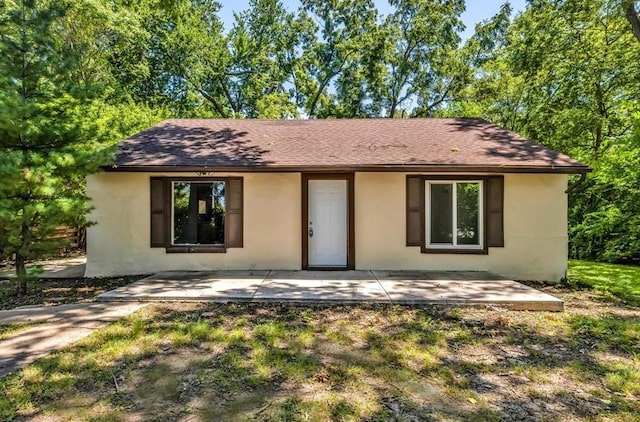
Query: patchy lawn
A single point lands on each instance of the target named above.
(264, 363)
(56, 291)
(619, 281)
(286, 363)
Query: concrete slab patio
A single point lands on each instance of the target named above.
(400, 287)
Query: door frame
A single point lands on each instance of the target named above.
(351, 246)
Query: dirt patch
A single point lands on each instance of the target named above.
(60, 291)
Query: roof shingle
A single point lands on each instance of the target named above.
(356, 144)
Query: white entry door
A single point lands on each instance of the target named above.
(327, 226)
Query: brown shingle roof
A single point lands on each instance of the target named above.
(354, 144)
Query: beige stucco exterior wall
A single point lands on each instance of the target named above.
(535, 227)
(535, 224)
(119, 243)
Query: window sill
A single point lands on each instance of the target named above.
(196, 249)
(455, 251)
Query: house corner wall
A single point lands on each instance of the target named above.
(119, 242)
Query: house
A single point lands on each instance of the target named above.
(391, 194)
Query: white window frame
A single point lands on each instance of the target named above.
(454, 215)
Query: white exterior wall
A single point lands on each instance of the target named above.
(119, 243)
(535, 229)
(535, 226)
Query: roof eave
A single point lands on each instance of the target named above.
(433, 168)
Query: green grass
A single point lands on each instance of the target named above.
(266, 363)
(619, 281)
(255, 362)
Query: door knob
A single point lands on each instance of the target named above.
(310, 232)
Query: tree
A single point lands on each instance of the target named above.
(44, 142)
(188, 58)
(338, 34)
(157, 54)
(420, 58)
(564, 73)
(262, 46)
(105, 41)
(492, 90)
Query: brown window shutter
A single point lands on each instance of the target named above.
(159, 200)
(234, 220)
(495, 211)
(415, 207)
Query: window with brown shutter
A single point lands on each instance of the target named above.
(196, 214)
(455, 214)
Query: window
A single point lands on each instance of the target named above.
(454, 214)
(198, 213)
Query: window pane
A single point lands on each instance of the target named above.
(468, 208)
(441, 212)
(198, 213)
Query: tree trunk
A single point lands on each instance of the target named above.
(603, 114)
(21, 273)
(597, 143)
(312, 108)
(392, 111)
(21, 270)
(632, 17)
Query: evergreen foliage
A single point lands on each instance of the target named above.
(50, 129)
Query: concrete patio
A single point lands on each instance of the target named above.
(399, 287)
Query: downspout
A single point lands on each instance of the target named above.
(583, 177)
